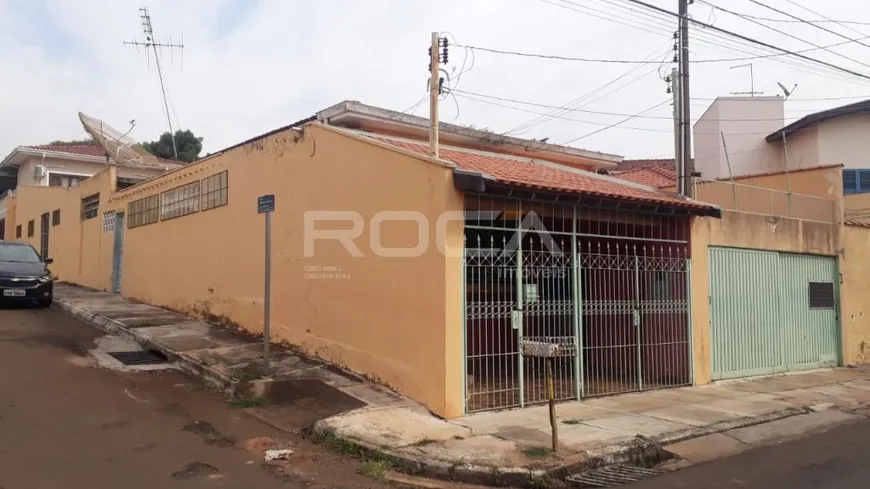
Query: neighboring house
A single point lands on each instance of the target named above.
(757, 141)
(66, 166)
(443, 277)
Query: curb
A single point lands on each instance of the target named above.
(185, 363)
(641, 451)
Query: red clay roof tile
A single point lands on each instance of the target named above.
(536, 174)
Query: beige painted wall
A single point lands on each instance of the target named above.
(741, 230)
(802, 149)
(854, 294)
(395, 319)
(82, 252)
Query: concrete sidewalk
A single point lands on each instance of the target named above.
(300, 390)
(507, 447)
(627, 428)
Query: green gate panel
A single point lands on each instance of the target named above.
(744, 313)
(760, 317)
(812, 337)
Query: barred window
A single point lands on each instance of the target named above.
(180, 201)
(109, 222)
(143, 211)
(18, 231)
(30, 226)
(55, 217)
(214, 191)
(90, 207)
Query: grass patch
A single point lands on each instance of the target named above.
(337, 444)
(249, 376)
(376, 469)
(537, 452)
(571, 421)
(247, 403)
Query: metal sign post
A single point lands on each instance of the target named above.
(549, 348)
(266, 205)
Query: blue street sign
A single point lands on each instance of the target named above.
(265, 203)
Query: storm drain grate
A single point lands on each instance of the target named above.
(138, 357)
(612, 476)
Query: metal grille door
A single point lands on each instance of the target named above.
(43, 235)
(761, 318)
(118, 255)
(635, 317)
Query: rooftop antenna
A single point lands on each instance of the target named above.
(151, 43)
(751, 91)
(786, 91)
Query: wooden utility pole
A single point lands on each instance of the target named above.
(434, 93)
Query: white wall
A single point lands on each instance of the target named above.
(27, 178)
(846, 141)
(744, 122)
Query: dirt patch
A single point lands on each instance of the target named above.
(260, 444)
(208, 433)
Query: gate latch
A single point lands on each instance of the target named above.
(635, 317)
(516, 319)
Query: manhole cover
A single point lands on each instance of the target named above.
(612, 476)
(138, 357)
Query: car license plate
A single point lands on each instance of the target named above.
(13, 293)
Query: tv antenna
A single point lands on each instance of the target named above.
(151, 43)
(786, 91)
(751, 91)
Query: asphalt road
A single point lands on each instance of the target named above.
(836, 459)
(64, 423)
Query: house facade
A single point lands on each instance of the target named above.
(63, 166)
(445, 278)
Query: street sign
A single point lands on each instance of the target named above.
(265, 203)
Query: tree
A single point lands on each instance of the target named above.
(74, 142)
(189, 146)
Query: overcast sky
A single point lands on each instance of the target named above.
(250, 66)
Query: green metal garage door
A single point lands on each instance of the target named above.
(772, 312)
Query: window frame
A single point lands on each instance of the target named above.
(89, 210)
(139, 212)
(55, 217)
(18, 231)
(31, 228)
(856, 173)
(175, 203)
(830, 301)
(215, 191)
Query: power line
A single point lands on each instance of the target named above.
(790, 21)
(595, 112)
(754, 41)
(584, 99)
(650, 109)
(807, 22)
(774, 29)
(840, 23)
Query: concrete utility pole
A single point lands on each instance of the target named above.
(679, 169)
(434, 93)
(685, 105)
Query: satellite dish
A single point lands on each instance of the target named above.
(122, 148)
(786, 91)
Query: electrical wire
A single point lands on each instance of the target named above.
(415, 106)
(754, 41)
(666, 101)
(779, 31)
(584, 99)
(598, 112)
(813, 24)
